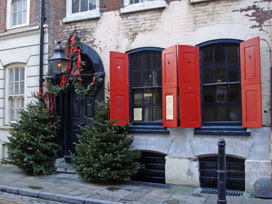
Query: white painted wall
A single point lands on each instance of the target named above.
(19, 46)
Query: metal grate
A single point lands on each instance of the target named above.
(213, 191)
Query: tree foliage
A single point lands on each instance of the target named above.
(104, 151)
(32, 147)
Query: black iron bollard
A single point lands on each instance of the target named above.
(221, 172)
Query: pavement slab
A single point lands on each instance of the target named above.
(187, 199)
(70, 188)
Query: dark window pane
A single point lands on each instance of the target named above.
(221, 113)
(146, 72)
(221, 94)
(157, 78)
(234, 93)
(84, 5)
(209, 113)
(92, 4)
(157, 96)
(207, 55)
(235, 113)
(148, 96)
(208, 75)
(147, 78)
(234, 73)
(138, 96)
(136, 61)
(75, 6)
(209, 94)
(219, 55)
(233, 56)
(157, 113)
(145, 61)
(220, 74)
(156, 56)
(136, 79)
(148, 113)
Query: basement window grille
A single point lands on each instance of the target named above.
(213, 191)
(235, 178)
(153, 170)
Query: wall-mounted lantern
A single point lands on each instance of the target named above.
(59, 62)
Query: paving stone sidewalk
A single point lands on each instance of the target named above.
(69, 188)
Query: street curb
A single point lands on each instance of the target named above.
(53, 196)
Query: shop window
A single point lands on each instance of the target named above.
(235, 178)
(221, 84)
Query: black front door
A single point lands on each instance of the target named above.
(81, 108)
(73, 109)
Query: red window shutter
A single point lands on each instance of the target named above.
(251, 83)
(119, 89)
(170, 107)
(119, 106)
(118, 70)
(169, 67)
(170, 87)
(189, 83)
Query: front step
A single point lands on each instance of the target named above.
(63, 167)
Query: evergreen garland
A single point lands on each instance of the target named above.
(73, 51)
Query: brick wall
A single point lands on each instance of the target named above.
(3, 7)
(106, 5)
(35, 11)
(179, 23)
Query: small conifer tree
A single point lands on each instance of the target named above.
(104, 151)
(32, 147)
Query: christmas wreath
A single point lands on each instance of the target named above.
(73, 74)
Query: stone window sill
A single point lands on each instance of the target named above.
(19, 30)
(143, 6)
(222, 131)
(148, 129)
(5, 128)
(82, 16)
(198, 1)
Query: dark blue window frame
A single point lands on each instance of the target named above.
(214, 127)
(142, 126)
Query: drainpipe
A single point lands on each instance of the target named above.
(41, 42)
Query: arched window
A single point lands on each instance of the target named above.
(221, 83)
(235, 167)
(145, 68)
